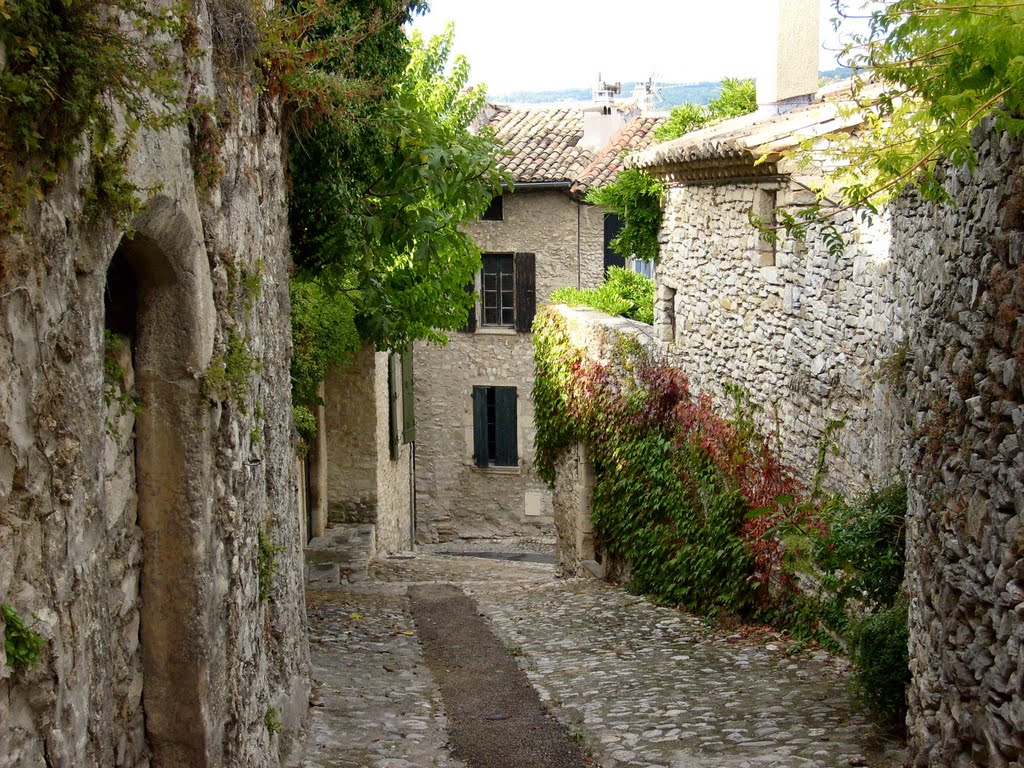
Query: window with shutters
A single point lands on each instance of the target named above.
(507, 293)
(498, 291)
(495, 441)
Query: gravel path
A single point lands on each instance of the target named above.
(639, 685)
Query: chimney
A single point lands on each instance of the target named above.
(643, 95)
(602, 119)
(789, 70)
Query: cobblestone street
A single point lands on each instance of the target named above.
(637, 685)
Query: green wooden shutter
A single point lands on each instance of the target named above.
(526, 291)
(470, 326)
(480, 456)
(506, 441)
(393, 405)
(408, 398)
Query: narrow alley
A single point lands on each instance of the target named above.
(629, 683)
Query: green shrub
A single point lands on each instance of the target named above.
(623, 292)
(881, 658)
(862, 556)
(22, 644)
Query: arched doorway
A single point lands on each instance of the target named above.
(158, 327)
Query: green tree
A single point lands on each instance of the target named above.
(925, 74)
(384, 170)
(736, 97)
(377, 201)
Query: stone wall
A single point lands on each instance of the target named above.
(187, 484)
(964, 270)
(454, 498)
(350, 432)
(807, 334)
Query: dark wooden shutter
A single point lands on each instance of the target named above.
(480, 457)
(470, 326)
(526, 291)
(506, 442)
(408, 398)
(612, 227)
(393, 405)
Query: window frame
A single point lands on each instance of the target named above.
(507, 267)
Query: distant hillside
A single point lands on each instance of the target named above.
(669, 94)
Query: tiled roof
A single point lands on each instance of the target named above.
(635, 135)
(751, 144)
(541, 145)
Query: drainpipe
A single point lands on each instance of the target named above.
(579, 257)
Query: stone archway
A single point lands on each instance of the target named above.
(161, 300)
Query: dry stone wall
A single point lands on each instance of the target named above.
(138, 555)
(916, 339)
(454, 498)
(964, 274)
(808, 335)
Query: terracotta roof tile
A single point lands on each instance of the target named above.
(751, 143)
(635, 135)
(542, 145)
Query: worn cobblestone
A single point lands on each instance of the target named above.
(644, 686)
(376, 704)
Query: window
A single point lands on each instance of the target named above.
(496, 210)
(507, 292)
(495, 443)
(497, 290)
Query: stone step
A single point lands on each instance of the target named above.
(593, 568)
(341, 555)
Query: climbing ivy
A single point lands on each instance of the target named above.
(67, 64)
(692, 500)
(708, 516)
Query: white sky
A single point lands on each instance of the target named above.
(550, 44)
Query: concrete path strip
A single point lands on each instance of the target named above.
(495, 717)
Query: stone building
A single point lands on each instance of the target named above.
(155, 549)
(474, 447)
(359, 472)
(804, 330)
